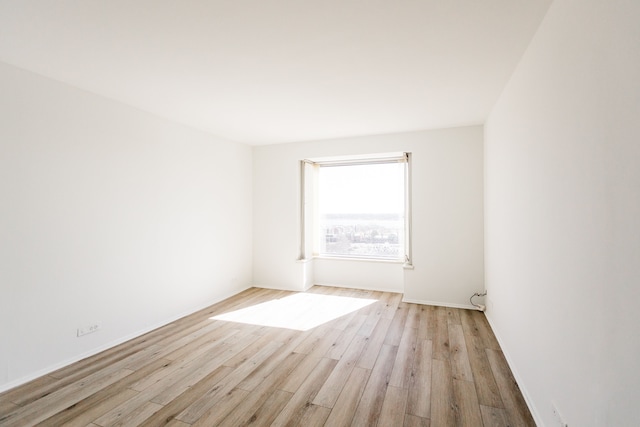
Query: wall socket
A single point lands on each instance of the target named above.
(88, 329)
(556, 414)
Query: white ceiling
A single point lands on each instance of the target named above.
(269, 71)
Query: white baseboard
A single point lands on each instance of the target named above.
(49, 369)
(378, 289)
(280, 288)
(439, 304)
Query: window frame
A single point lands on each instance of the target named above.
(309, 230)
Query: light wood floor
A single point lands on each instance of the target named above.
(388, 364)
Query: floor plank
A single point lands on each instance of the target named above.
(347, 402)
(393, 406)
(312, 416)
(252, 408)
(486, 387)
(343, 340)
(514, 403)
(370, 406)
(266, 410)
(419, 397)
(305, 393)
(227, 385)
(215, 413)
(493, 417)
(171, 409)
(402, 368)
(443, 404)
(458, 351)
(332, 387)
(397, 325)
(29, 392)
(441, 335)
(388, 363)
(467, 407)
(89, 409)
(61, 399)
(413, 421)
(374, 343)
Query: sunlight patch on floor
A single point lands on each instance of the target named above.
(301, 311)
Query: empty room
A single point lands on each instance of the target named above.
(301, 213)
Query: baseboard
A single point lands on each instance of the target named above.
(23, 380)
(440, 304)
(518, 378)
(378, 289)
(280, 288)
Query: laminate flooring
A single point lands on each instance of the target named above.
(325, 357)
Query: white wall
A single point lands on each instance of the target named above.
(447, 216)
(562, 162)
(381, 276)
(108, 214)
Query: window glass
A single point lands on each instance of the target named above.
(361, 210)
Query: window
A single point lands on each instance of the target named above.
(356, 207)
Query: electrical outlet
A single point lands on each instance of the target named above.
(88, 329)
(559, 421)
